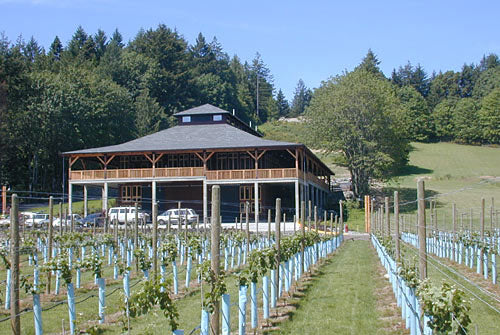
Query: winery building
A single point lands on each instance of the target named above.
(209, 146)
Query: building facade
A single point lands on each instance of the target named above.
(208, 146)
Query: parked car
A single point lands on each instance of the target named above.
(78, 220)
(118, 213)
(36, 220)
(186, 214)
(5, 223)
(89, 220)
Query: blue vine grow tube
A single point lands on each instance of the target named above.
(37, 314)
(204, 322)
(242, 310)
(253, 304)
(226, 316)
(102, 298)
(265, 296)
(188, 269)
(71, 308)
(7, 290)
(176, 282)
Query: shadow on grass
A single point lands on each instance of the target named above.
(413, 169)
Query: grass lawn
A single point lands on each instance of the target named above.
(343, 298)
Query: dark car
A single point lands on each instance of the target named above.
(89, 220)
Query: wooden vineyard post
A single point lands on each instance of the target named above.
(454, 221)
(277, 227)
(247, 225)
(155, 240)
(396, 223)
(309, 215)
(126, 227)
(387, 216)
(331, 224)
(50, 238)
(15, 318)
(303, 229)
(316, 218)
(136, 226)
(341, 208)
(422, 234)
(481, 222)
(372, 217)
(60, 218)
(492, 208)
(269, 226)
(215, 251)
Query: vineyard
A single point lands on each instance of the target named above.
(146, 281)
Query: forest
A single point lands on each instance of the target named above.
(99, 90)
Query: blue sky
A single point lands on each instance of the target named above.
(312, 40)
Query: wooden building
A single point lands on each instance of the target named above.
(208, 146)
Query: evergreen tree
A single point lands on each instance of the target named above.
(371, 64)
(301, 99)
(262, 87)
(100, 40)
(56, 49)
(77, 42)
(282, 103)
(410, 76)
(32, 50)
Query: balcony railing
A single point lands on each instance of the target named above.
(194, 172)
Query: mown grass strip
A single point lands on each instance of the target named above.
(342, 298)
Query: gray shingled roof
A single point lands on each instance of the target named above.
(190, 137)
(204, 109)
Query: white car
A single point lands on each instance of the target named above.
(185, 213)
(78, 221)
(118, 213)
(36, 219)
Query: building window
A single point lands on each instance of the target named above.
(131, 193)
(186, 119)
(217, 117)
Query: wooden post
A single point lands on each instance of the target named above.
(215, 252)
(15, 318)
(247, 225)
(341, 207)
(331, 223)
(481, 221)
(491, 214)
(396, 223)
(4, 200)
(136, 226)
(422, 234)
(126, 227)
(60, 218)
(309, 215)
(316, 218)
(50, 239)
(155, 240)
(372, 216)
(303, 228)
(387, 216)
(269, 225)
(277, 227)
(454, 220)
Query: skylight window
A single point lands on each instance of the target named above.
(186, 119)
(217, 117)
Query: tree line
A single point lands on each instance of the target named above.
(98, 90)
(368, 120)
